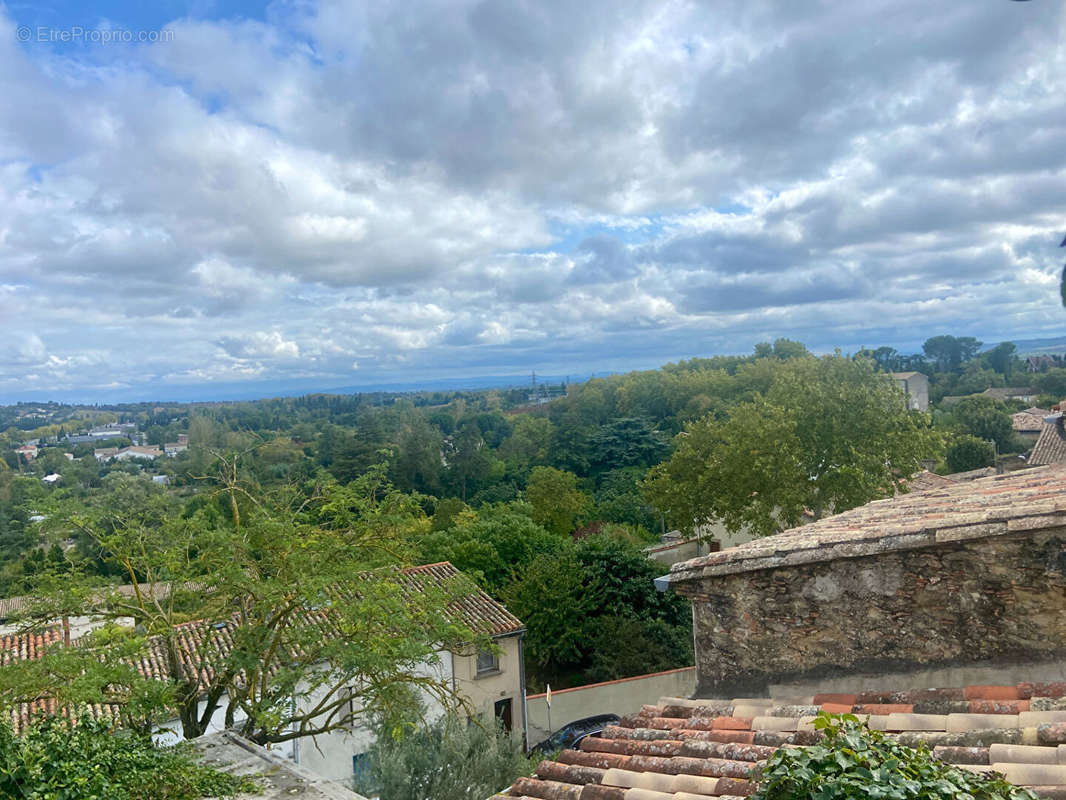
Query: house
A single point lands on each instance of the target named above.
(27, 451)
(916, 387)
(1050, 447)
(491, 682)
(52, 479)
(127, 453)
(1042, 363)
(939, 616)
(173, 448)
(926, 480)
(1026, 394)
(138, 452)
(1028, 424)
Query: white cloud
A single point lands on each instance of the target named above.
(491, 187)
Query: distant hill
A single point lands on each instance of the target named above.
(1036, 347)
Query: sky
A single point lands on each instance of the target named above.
(200, 199)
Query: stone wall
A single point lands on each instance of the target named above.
(981, 602)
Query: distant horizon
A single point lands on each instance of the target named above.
(246, 198)
(252, 390)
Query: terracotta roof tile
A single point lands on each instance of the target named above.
(21, 646)
(1032, 498)
(1050, 448)
(199, 638)
(477, 610)
(650, 753)
(1029, 421)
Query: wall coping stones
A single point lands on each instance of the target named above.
(1027, 500)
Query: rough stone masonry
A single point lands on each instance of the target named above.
(973, 574)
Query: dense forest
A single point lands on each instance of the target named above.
(548, 498)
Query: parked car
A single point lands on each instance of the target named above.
(572, 733)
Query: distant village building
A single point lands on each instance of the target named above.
(1050, 447)
(1028, 424)
(126, 453)
(1026, 394)
(916, 385)
(138, 452)
(1042, 363)
(27, 451)
(54, 478)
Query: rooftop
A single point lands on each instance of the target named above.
(682, 749)
(926, 480)
(278, 776)
(1024, 500)
(1050, 447)
(476, 610)
(1032, 419)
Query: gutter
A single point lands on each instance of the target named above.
(522, 686)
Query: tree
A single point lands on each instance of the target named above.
(470, 461)
(967, 452)
(293, 602)
(949, 352)
(618, 499)
(625, 442)
(556, 500)
(1001, 358)
(493, 546)
(528, 445)
(449, 760)
(887, 358)
(787, 348)
(987, 419)
(830, 434)
(550, 597)
(58, 758)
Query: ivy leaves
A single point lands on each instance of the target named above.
(854, 762)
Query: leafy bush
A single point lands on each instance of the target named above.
(855, 762)
(968, 452)
(55, 759)
(449, 760)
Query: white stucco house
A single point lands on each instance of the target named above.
(491, 682)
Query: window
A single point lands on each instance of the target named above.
(502, 710)
(487, 662)
(360, 765)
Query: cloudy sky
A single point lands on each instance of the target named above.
(265, 197)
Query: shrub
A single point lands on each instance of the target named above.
(855, 762)
(55, 759)
(451, 759)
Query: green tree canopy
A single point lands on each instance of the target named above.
(556, 500)
(293, 598)
(986, 418)
(968, 452)
(829, 434)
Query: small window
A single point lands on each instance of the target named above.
(487, 662)
(360, 765)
